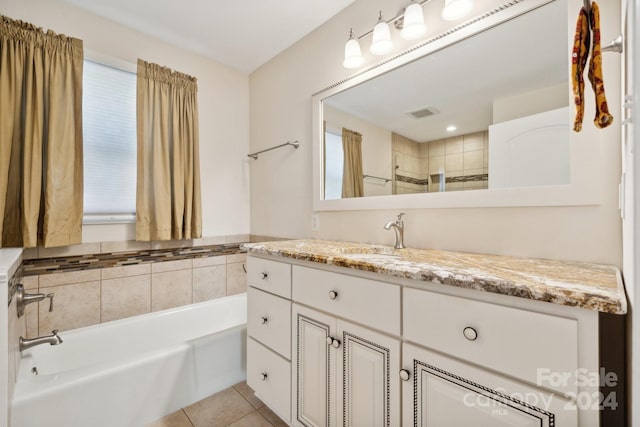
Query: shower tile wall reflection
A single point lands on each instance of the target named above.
(451, 164)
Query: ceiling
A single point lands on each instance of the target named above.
(243, 34)
(463, 81)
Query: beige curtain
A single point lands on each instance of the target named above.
(352, 180)
(40, 136)
(168, 204)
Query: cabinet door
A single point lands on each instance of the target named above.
(368, 389)
(444, 392)
(313, 368)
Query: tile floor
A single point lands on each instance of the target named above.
(236, 406)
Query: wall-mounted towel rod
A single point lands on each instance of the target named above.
(254, 156)
(377, 177)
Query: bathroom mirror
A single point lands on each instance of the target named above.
(483, 107)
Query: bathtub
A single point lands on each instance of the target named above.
(133, 371)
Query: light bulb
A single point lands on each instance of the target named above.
(413, 22)
(456, 9)
(352, 54)
(381, 40)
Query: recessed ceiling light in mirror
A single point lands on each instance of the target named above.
(451, 128)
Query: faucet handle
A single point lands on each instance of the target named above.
(400, 216)
(55, 332)
(50, 296)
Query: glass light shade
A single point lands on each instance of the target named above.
(352, 54)
(456, 9)
(381, 42)
(413, 22)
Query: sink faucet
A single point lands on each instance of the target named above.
(398, 227)
(53, 339)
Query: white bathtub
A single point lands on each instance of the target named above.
(132, 371)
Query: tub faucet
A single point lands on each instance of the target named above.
(398, 227)
(23, 299)
(53, 339)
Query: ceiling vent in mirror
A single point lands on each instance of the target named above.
(424, 112)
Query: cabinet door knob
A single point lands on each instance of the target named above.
(470, 333)
(263, 376)
(333, 295)
(336, 343)
(329, 340)
(264, 275)
(264, 319)
(404, 375)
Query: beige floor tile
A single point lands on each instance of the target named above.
(171, 289)
(221, 409)
(236, 279)
(254, 419)
(209, 283)
(272, 417)
(74, 306)
(177, 419)
(126, 297)
(247, 393)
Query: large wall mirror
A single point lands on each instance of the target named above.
(479, 116)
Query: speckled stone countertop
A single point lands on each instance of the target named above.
(590, 286)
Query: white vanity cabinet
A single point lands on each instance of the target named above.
(366, 352)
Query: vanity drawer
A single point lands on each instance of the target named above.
(269, 320)
(269, 375)
(372, 303)
(271, 276)
(516, 342)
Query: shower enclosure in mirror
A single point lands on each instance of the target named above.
(482, 106)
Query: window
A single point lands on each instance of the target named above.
(109, 133)
(333, 166)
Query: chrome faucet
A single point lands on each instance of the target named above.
(398, 227)
(53, 339)
(23, 299)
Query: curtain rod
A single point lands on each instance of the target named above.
(254, 156)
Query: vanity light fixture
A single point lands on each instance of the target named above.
(352, 54)
(456, 9)
(413, 25)
(381, 42)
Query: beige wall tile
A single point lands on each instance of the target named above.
(170, 244)
(474, 141)
(453, 162)
(74, 306)
(231, 259)
(210, 240)
(57, 279)
(30, 253)
(454, 145)
(479, 171)
(436, 148)
(423, 150)
(236, 279)
(126, 297)
(171, 289)
(125, 271)
(454, 186)
(209, 283)
(221, 409)
(31, 319)
(30, 282)
(82, 249)
(485, 163)
(473, 185)
(124, 246)
(159, 267)
(237, 238)
(209, 261)
(436, 164)
(473, 159)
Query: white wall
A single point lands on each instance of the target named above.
(376, 148)
(223, 107)
(529, 103)
(281, 183)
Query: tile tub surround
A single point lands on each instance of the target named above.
(96, 288)
(590, 286)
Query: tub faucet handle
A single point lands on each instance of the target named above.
(50, 296)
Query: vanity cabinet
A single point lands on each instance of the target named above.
(344, 374)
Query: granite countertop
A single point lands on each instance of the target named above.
(590, 286)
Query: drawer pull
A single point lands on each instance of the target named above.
(263, 376)
(264, 275)
(264, 320)
(404, 375)
(470, 333)
(333, 295)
